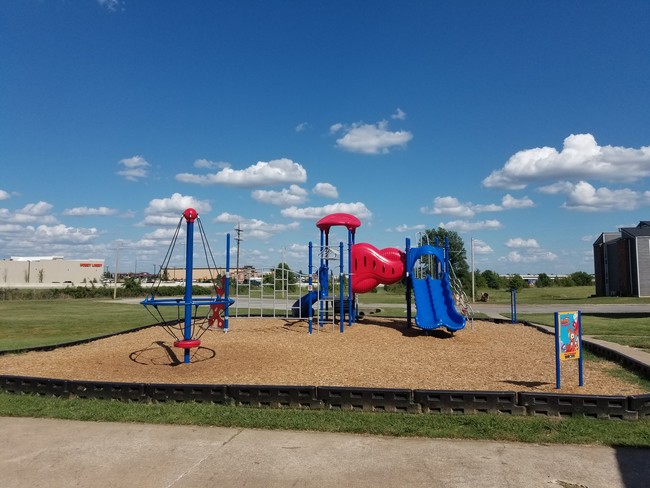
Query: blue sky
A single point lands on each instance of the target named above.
(524, 126)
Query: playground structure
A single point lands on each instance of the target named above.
(188, 331)
(370, 267)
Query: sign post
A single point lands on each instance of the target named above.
(568, 342)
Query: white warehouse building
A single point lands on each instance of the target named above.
(49, 270)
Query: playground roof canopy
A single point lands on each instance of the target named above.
(344, 219)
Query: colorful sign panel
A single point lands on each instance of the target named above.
(568, 335)
(568, 342)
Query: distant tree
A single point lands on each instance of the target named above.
(492, 279)
(281, 272)
(479, 280)
(580, 278)
(132, 286)
(543, 281)
(564, 281)
(457, 252)
(516, 282)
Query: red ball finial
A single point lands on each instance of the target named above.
(190, 215)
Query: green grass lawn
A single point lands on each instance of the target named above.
(482, 426)
(32, 323)
(626, 329)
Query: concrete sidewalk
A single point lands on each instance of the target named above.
(59, 453)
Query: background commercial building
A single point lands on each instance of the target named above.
(622, 262)
(49, 270)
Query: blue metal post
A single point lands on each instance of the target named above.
(513, 305)
(580, 376)
(311, 285)
(557, 350)
(322, 284)
(189, 263)
(352, 317)
(227, 285)
(409, 284)
(341, 283)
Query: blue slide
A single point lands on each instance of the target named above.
(434, 304)
(301, 307)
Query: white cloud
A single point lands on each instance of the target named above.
(301, 127)
(62, 234)
(162, 234)
(370, 138)
(557, 187)
(403, 228)
(207, 164)
(168, 211)
(10, 228)
(399, 114)
(31, 213)
(517, 257)
(449, 206)
(254, 228)
(278, 171)
(4, 195)
(334, 128)
(135, 168)
(325, 190)
(580, 158)
(228, 218)
(508, 202)
(465, 226)
(357, 209)
(37, 209)
(452, 206)
(89, 211)
(294, 195)
(518, 242)
(584, 197)
(111, 5)
(481, 247)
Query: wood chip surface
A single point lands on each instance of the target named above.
(376, 352)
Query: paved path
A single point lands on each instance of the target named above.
(496, 309)
(59, 453)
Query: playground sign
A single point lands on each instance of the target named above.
(568, 342)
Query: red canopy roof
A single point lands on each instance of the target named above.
(346, 220)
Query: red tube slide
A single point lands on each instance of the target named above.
(372, 266)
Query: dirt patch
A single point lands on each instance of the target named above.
(373, 353)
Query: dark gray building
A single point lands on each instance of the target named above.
(622, 262)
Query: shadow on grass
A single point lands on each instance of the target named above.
(618, 315)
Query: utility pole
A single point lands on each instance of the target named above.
(238, 239)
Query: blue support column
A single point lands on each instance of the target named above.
(409, 283)
(189, 263)
(341, 295)
(352, 317)
(581, 380)
(311, 284)
(227, 285)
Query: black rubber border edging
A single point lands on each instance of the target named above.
(614, 407)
